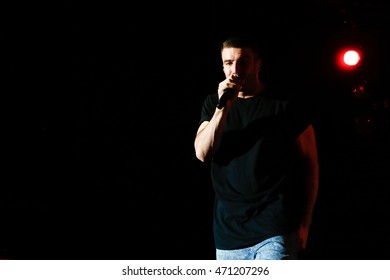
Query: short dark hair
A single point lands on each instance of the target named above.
(244, 41)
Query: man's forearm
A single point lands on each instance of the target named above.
(209, 135)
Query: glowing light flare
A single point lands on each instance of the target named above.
(351, 57)
(359, 90)
(348, 58)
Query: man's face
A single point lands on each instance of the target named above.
(240, 61)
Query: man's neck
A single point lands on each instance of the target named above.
(256, 90)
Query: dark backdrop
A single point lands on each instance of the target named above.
(102, 105)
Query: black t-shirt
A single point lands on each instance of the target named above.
(255, 173)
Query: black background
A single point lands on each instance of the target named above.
(101, 105)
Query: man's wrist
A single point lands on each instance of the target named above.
(220, 106)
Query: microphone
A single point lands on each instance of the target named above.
(225, 97)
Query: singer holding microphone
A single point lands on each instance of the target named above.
(263, 161)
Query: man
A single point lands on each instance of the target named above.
(263, 156)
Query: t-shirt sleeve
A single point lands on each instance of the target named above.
(208, 108)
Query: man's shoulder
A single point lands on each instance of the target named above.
(211, 99)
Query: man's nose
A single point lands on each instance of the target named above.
(236, 67)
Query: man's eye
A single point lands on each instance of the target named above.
(244, 62)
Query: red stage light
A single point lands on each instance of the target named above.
(348, 58)
(351, 57)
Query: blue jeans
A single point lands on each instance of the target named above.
(281, 247)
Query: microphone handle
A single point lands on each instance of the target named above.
(224, 98)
